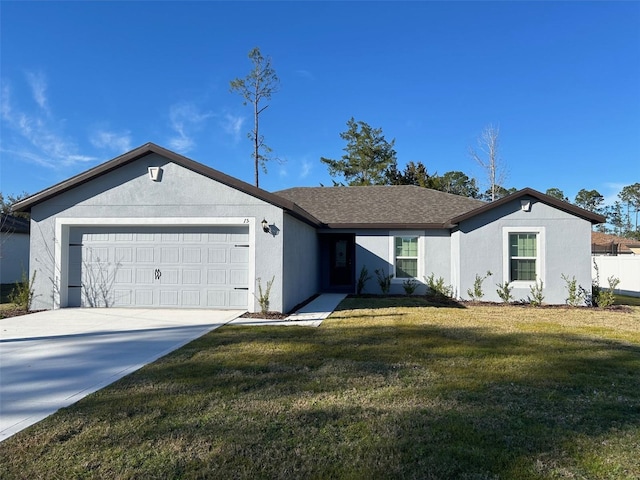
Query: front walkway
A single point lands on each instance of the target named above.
(311, 315)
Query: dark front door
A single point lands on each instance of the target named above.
(341, 265)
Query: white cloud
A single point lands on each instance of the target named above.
(185, 119)
(611, 193)
(305, 74)
(232, 125)
(118, 142)
(38, 84)
(306, 168)
(36, 137)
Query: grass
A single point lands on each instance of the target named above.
(381, 390)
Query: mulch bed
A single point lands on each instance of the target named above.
(15, 312)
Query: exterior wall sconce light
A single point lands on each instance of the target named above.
(265, 226)
(155, 173)
(525, 205)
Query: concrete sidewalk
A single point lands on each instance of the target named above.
(311, 315)
(49, 360)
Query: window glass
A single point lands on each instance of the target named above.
(523, 253)
(406, 257)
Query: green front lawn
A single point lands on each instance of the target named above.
(391, 392)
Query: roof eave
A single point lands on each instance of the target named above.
(150, 148)
(594, 218)
(387, 226)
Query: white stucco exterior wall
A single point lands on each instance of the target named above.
(128, 193)
(565, 249)
(375, 250)
(301, 262)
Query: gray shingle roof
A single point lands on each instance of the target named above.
(393, 206)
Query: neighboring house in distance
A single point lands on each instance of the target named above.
(607, 244)
(617, 257)
(14, 248)
(152, 228)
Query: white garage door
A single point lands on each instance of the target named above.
(190, 267)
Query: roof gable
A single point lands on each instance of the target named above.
(594, 218)
(147, 149)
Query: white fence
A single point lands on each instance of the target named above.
(624, 267)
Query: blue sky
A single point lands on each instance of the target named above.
(83, 82)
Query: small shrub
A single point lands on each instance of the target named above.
(592, 299)
(437, 286)
(606, 297)
(23, 292)
(384, 281)
(476, 293)
(577, 294)
(263, 296)
(504, 291)
(410, 285)
(362, 279)
(537, 297)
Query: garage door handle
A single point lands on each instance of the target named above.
(158, 274)
(241, 288)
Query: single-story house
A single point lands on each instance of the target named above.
(608, 244)
(152, 228)
(14, 248)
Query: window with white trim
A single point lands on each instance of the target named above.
(406, 256)
(523, 257)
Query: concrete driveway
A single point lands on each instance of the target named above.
(49, 360)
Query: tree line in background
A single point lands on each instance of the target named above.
(370, 159)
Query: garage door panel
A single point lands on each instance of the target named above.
(146, 237)
(239, 255)
(144, 297)
(217, 255)
(160, 266)
(216, 277)
(123, 298)
(169, 298)
(190, 298)
(192, 255)
(238, 277)
(191, 277)
(96, 255)
(145, 276)
(123, 255)
(124, 276)
(169, 255)
(145, 255)
(169, 276)
(170, 237)
(238, 298)
(216, 298)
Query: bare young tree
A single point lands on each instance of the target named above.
(258, 85)
(488, 157)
